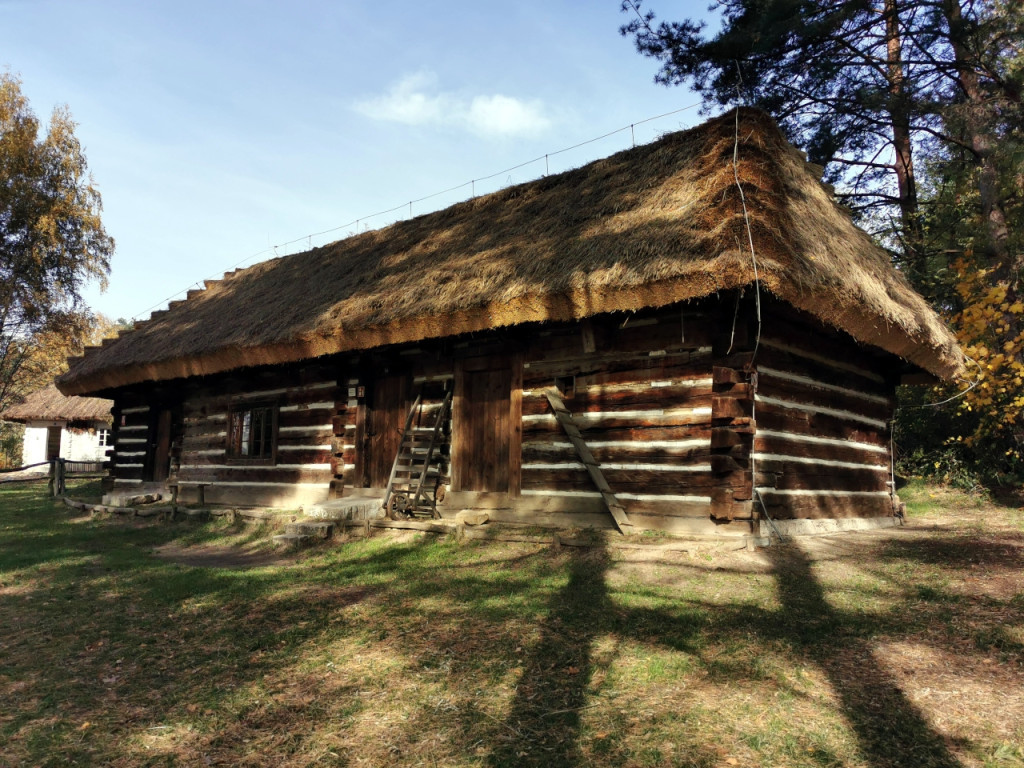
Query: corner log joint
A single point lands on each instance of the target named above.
(732, 440)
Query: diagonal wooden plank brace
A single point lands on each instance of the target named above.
(564, 418)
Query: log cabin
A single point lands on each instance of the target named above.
(688, 336)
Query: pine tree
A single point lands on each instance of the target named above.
(866, 87)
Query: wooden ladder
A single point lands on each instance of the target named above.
(564, 418)
(405, 494)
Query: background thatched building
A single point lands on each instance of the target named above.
(693, 379)
(58, 426)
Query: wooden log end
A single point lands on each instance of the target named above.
(722, 375)
(724, 464)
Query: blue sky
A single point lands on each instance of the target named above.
(218, 130)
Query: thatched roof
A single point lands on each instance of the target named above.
(645, 227)
(48, 404)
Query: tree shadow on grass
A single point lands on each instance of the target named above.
(1003, 550)
(156, 645)
(543, 725)
(890, 729)
(187, 638)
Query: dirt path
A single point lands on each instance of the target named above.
(210, 556)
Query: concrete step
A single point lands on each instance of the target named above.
(320, 529)
(154, 512)
(348, 508)
(268, 516)
(130, 499)
(294, 540)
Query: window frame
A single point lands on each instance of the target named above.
(232, 450)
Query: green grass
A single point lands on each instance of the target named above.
(841, 651)
(924, 498)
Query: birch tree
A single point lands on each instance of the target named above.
(52, 240)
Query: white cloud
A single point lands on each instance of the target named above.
(417, 100)
(406, 102)
(504, 115)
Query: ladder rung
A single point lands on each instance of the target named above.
(412, 466)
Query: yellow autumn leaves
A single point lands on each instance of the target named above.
(990, 329)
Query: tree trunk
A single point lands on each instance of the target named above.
(899, 113)
(993, 208)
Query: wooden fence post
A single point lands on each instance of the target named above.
(52, 482)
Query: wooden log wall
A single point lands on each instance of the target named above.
(345, 422)
(129, 437)
(823, 414)
(640, 389)
(307, 400)
(430, 379)
(684, 418)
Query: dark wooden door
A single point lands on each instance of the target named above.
(482, 429)
(160, 445)
(53, 442)
(388, 409)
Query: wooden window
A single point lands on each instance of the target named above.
(103, 437)
(252, 434)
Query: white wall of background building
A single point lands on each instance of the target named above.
(75, 444)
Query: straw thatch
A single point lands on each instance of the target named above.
(48, 404)
(646, 227)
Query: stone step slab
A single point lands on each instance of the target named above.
(353, 508)
(132, 498)
(294, 540)
(320, 529)
(154, 512)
